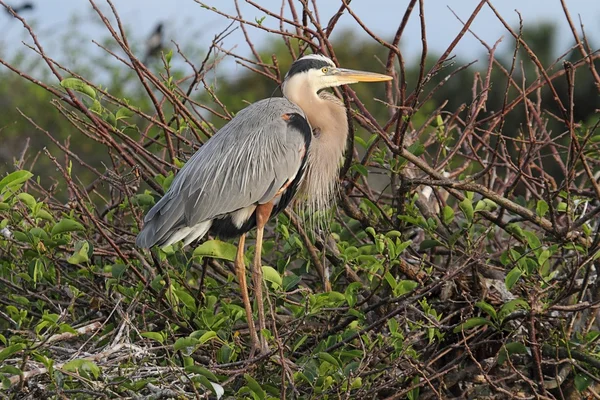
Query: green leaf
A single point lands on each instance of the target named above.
(351, 293)
(416, 149)
(543, 257)
(360, 141)
(79, 86)
(11, 370)
(532, 240)
(512, 277)
(447, 215)
(80, 255)
(472, 323)
(169, 56)
(393, 325)
(14, 180)
(270, 274)
(216, 249)
(329, 358)
(62, 328)
(335, 298)
(28, 199)
(224, 354)
(361, 169)
(66, 225)
(82, 366)
(487, 308)
(10, 350)
(43, 214)
(123, 113)
(510, 349)
(541, 208)
(404, 286)
(466, 207)
(143, 199)
(429, 244)
(117, 270)
(592, 336)
(290, 281)
(187, 299)
(512, 305)
(207, 336)
(255, 387)
(154, 336)
(390, 280)
(186, 343)
(196, 369)
(582, 382)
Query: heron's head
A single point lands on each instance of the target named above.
(318, 72)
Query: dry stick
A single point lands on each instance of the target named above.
(203, 65)
(143, 73)
(312, 252)
(334, 20)
(58, 366)
(472, 118)
(73, 101)
(326, 46)
(533, 57)
(286, 40)
(562, 108)
(467, 185)
(267, 69)
(123, 43)
(389, 67)
(92, 218)
(510, 81)
(262, 27)
(580, 45)
(59, 145)
(535, 345)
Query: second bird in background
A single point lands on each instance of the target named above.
(155, 43)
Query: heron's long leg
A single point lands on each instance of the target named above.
(240, 270)
(263, 212)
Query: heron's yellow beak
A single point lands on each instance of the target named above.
(347, 76)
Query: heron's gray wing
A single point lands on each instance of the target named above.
(246, 162)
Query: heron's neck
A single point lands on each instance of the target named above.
(327, 117)
(325, 113)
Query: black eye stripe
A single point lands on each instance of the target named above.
(304, 65)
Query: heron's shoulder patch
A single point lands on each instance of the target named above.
(298, 123)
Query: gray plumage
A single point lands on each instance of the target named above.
(263, 156)
(246, 163)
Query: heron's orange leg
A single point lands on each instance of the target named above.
(240, 270)
(263, 212)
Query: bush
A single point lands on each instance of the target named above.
(461, 259)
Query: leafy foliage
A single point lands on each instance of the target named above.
(464, 250)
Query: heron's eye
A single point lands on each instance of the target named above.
(324, 70)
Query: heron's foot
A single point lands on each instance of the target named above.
(259, 348)
(264, 346)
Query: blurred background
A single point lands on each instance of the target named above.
(71, 32)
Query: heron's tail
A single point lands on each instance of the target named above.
(165, 224)
(160, 223)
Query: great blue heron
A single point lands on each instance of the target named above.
(251, 169)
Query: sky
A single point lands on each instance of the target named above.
(186, 20)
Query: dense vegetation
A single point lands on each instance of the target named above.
(461, 260)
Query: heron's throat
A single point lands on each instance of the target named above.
(327, 117)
